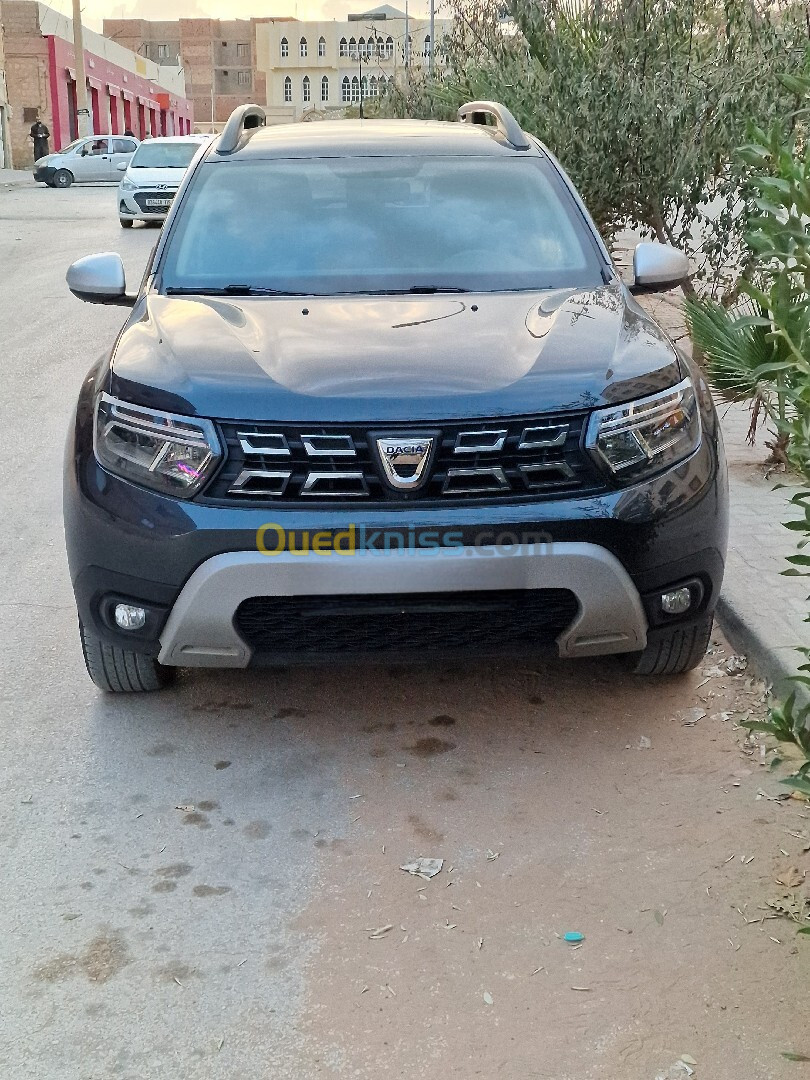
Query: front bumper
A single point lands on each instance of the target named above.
(200, 631)
(44, 174)
(192, 564)
(129, 208)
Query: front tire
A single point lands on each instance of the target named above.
(62, 178)
(121, 671)
(125, 222)
(677, 651)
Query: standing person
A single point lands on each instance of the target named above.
(130, 132)
(40, 134)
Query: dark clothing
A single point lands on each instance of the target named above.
(40, 134)
(130, 132)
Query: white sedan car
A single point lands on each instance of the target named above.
(97, 158)
(153, 175)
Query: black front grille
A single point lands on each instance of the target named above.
(514, 458)
(141, 197)
(421, 624)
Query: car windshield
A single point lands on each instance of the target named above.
(70, 147)
(157, 155)
(360, 225)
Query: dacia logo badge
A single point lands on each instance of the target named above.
(404, 459)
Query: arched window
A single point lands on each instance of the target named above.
(324, 89)
(372, 86)
(380, 47)
(306, 89)
(285, 47)
(288, 89)
(364, 87)
(343, 48)
(427, 45)
(361, 46)
(355, 89)
(302, 47)
(321, 46)
(389, 47)
(352, 47)
(345, 89)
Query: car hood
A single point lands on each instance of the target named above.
(173, 178)
(372, 358)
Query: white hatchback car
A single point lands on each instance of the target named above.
(153, 175)
(89, 160)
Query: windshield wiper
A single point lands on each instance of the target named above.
(423, 290)
(230, 290)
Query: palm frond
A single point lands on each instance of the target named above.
(737, 353)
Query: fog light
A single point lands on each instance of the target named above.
(674, 602)
(129, 617)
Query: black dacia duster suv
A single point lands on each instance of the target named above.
(382, 390)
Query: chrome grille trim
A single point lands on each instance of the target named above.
(544, 474)
(540, 456)
(544, 437)
(272, 444)
(239, 486)
(314, 478)
(329, 445)
(483, 442)
(495, 473)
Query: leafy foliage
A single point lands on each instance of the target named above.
(644, 101)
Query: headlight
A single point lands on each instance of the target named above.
(127, 185)
(646, 435)
(172, 454)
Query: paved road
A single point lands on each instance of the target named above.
(190, 881)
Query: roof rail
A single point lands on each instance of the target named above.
(241, 119)
(476, 112)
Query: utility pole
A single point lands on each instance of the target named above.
(432, 36)
(360, 58)
(83, 121)
(407, 38)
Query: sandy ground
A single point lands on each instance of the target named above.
(534, 789)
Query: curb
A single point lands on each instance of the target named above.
(17, 181)
(771, 664)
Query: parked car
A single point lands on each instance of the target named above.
(95, 159)
(383, 392)
(153, 175)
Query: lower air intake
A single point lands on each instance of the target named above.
(420, 624)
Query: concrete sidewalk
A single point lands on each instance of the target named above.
(16, 176)
(761, 611)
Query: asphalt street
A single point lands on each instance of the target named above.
(206, 883)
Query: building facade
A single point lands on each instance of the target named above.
(5, 141)
(313, 69)
(125, 91)
(218, 57)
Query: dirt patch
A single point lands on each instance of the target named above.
(102, 958)
(257, 830)
(430, 746)
(211, 890)
(175, 870)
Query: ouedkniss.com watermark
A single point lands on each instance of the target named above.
(273, 539)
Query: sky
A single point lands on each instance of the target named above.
(95, 11)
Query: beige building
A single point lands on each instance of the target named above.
(312, 69)
(218, 57)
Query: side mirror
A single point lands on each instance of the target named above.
(657, 268)
(100, 279)
(122, 166)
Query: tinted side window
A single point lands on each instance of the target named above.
(123, 146)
